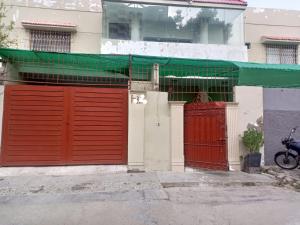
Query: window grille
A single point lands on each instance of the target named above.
(282, 54)
(50, 41)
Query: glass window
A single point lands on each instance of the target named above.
(161, 23)
(119, 31)
(281, 54)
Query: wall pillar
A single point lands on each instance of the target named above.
(135, 27)
(233, 136)
(157, 128)
(177, 135)
(136, 132)
(149, 132)
(203, 39)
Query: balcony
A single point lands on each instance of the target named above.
(175, 31)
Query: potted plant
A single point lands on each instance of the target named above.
(253, 139)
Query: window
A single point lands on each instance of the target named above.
(51, 41)
(162, 23)
(282, 54)
(119, 31)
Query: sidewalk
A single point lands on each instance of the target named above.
(120, 198)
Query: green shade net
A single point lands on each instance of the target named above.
(65, 63)
(269, 75)
(140, 68)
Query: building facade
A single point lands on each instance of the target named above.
(57, 26)
(186, 29)
(272, 35)
(143, 136)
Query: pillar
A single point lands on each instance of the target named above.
(233, 136)
(203, 39)
(136, 128)
(177, 135)
(135, 27)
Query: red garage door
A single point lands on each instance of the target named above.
(46, 125)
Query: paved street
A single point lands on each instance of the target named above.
(93, 197)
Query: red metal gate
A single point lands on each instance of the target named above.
(50, 125)
(205, 135)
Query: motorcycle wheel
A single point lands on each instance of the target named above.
(289, 162)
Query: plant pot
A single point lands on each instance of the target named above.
(252, 162)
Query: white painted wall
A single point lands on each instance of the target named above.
(157, 132)
(232, 122)
(136, 134)
(177, 136)
(250, 101)
(180, 50)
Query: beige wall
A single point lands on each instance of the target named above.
(86, 15)
(177, 136)
(232, 122)
(136, 135)
(155, 133)
(250, 100)
(79, 5)
(157, 136)
(268, 22)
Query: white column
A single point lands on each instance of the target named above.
(157, 128)
(135, 27)
(233, 136)
(136, 118)
(204, 32)
(155, 77)
(177, 135)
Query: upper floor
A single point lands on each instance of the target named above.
(212, 29)
(178, 29)
(272, 35)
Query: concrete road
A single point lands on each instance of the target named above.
(209, 198)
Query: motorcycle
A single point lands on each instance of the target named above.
(289, 159)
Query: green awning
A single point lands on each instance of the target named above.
(269, 75)
(102, 65)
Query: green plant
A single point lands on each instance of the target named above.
(5, 28)
(253, 139)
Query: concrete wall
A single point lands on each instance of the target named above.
(188, 3)
(281, 113)
(250, 100)
(149, 133)
(181, 50)
(155, 133)
(177, 135)
(268, 22)
(85, 14)
(232, 122)
(136, 135)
